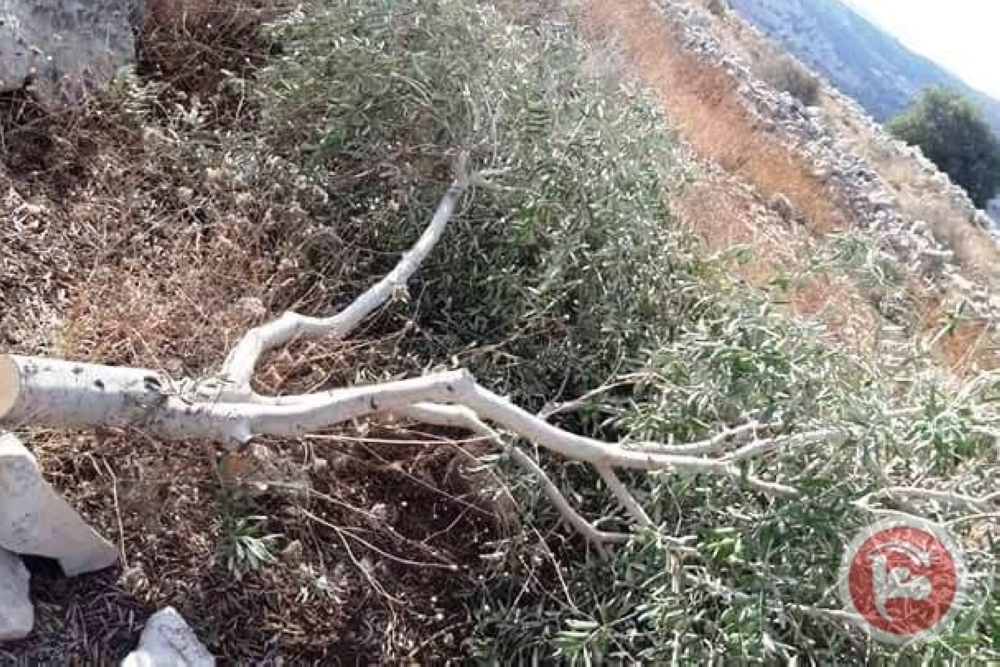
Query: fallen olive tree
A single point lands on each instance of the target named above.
(56, 393)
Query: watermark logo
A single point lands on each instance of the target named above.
(903, 580)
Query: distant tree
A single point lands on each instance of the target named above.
(718, 7)
(953, 134)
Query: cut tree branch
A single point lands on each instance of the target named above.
(57, 393)
(458, 417)
(982, 504)
(239, 366)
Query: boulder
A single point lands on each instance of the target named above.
(36, 520)
(65, 48)
(17, 616)
(168, 641)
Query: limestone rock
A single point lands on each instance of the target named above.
(168, 641)
(65, 48)
(993, 209)
(17, 615)
(36, 520)
(982, 220)
(933, 261)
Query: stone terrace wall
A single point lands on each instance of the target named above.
(860, 186)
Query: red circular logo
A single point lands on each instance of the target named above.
(903, 580)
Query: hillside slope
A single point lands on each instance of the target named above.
(857, 56)
(662, 252)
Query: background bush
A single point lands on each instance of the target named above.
(718, 7)
(789, 76)
(953, 134)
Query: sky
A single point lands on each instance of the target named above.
(961, 35)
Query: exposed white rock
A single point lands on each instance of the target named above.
(921, 228)
(17, 615)
(168, 641)
(66, 47)
(980, 219)
(934, 260)
(993, 209)
(35, 519)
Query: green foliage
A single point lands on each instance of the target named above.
(534, 271)
(953, 134)
(788, 76)
(568, 271)
(245, 547)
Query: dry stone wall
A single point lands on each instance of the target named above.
(859, 185)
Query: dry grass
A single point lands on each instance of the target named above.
(700, 100)
(726, 218)
(836, 301)
(962, 344)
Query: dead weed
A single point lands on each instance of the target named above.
(758, 248)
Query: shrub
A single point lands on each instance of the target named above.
(536, 268)
(789, 76)
(718, 7)
(953, 134)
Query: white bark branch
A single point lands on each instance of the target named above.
(459, 417)
(64, 394)
(761, 447)
(716, 444)
(983, 504)
(624, 496)
(239, 366)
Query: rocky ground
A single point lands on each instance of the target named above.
(851, 152)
